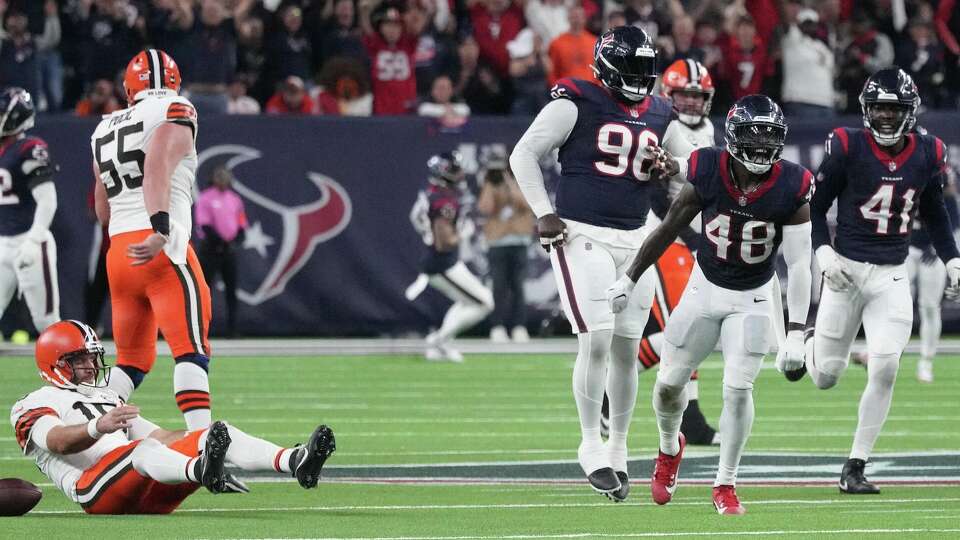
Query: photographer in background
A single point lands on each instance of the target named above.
(508, 230)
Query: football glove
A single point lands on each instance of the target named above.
(953, 279)
(790, 357)
(835, 272)
(618, 294)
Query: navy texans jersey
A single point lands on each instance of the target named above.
(604, 179)
(743, 231)
(24, 164)
(879, 196)
(436, 201)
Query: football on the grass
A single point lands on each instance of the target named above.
(17, 497)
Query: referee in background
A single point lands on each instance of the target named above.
(221, 222)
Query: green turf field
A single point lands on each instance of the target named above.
(435, 450)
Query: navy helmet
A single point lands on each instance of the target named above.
(446, 167)
(755, 132)
(16, 111)
(625, 61)
(890, 87)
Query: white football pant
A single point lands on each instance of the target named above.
(37, 282)
(930, 281)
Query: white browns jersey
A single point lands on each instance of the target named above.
(38, 412)
(118, 146)
(699, 137)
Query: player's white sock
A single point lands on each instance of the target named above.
(253, 454)
(736, 420)
(191, 387)
(930, 326)
(669, 403)
(153, 459)
(622, 391)
(121, 383)
(460, 317)
(693, 390)
(875, 403)
(589, 376)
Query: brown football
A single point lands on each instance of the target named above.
(17, 497)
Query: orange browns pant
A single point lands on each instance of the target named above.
(673, 271)
(112, 486)
(161, 294)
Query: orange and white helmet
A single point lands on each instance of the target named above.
(59, 344)
(688, 77)
(150, 69)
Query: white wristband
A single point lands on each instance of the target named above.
(92, 429)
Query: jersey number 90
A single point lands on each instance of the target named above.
(626, 151)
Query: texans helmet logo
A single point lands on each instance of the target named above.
(302, 227)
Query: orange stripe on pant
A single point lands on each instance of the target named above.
(673, 271)
(129, 492)
(159, 294)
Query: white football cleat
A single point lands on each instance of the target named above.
(498, 334)
(519, 334)
(925, 371)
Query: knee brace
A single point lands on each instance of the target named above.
(136, 376)
(194, 358)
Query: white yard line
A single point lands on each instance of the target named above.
(604, 534)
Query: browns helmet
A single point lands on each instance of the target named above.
(61, 343)
(150, 69)
(688, 77)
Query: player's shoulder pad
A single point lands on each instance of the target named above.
(838, 142)
(179, 110)
(939, 150)
(662, 105)
(38, 403)
(801, 179)
(568, 88)
(702, 162)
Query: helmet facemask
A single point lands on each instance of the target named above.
(633, 77)
(757, 145)
(692, 105)
(70, 370)
(888, 121)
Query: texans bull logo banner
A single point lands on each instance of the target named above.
(330, 248)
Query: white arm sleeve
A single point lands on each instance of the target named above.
(140, 428)
(46, 196)
(681, 148)
(797, 246)
(549, 130)
(41, 428)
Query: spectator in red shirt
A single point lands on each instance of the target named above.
(291, 98)
(571, 53)
(391, 50)
(745, 62)
(495, 23)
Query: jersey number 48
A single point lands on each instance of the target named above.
(756, 243)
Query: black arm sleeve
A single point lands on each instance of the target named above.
(830, 180)
(937, 220)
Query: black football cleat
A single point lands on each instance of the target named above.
(695, 427)
(604, 481)
(232, 484)
(620, 495)
(794, 375)
(852, 480)
(310, 458)
(212, 474)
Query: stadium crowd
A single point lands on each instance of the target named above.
(453, 58)
(450, 59)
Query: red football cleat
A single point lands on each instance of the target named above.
(726, 502)
(665, 469)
